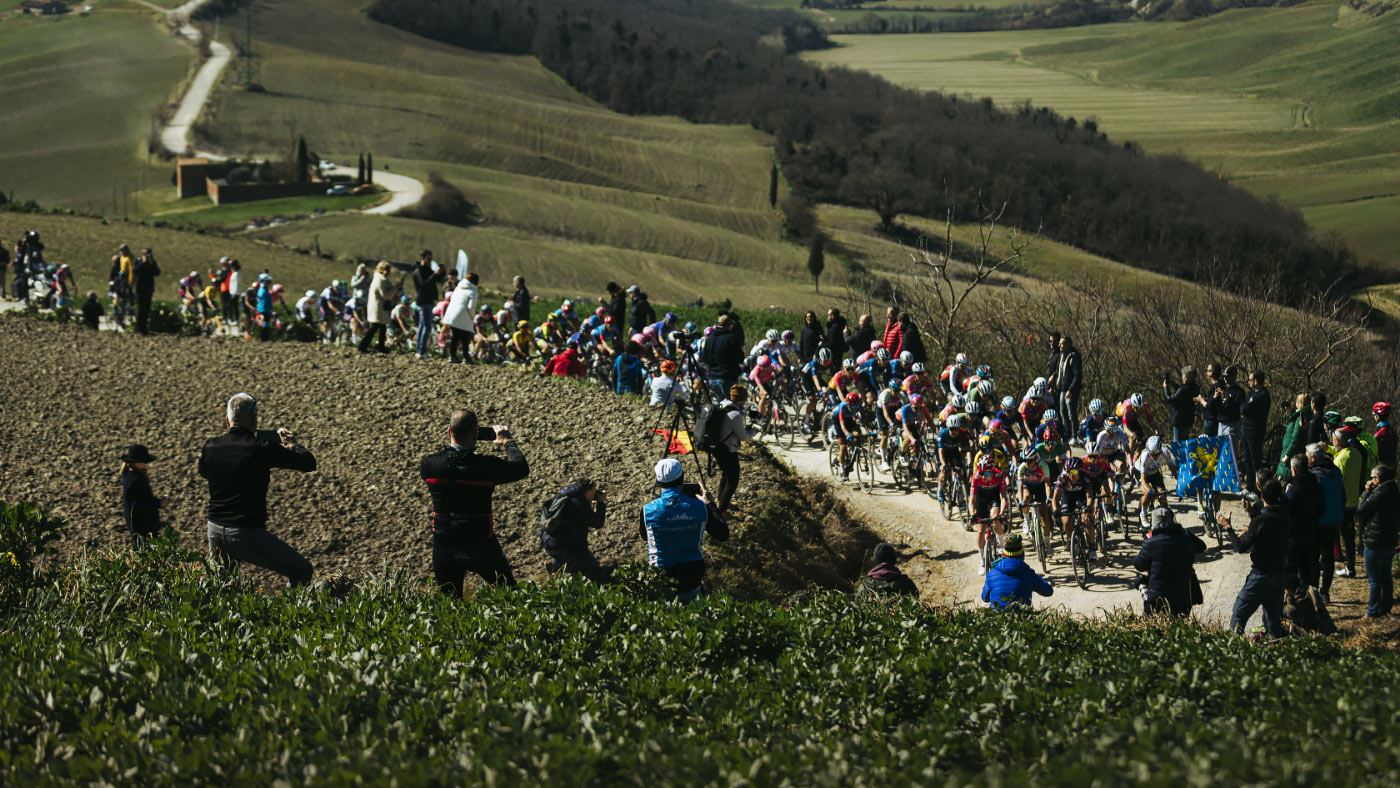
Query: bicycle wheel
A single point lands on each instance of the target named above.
(964, 506)
(826, 428)
(1042, 549)
(1101, 524)
(901, 472)
(947, 503)
(789, 428)
(990, 551)
(864, 468)
(1079, 556)
(833, 460)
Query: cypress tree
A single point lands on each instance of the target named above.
(369, 167)
(303, 161)
(773, 187)
(816, 259)
(360, 171)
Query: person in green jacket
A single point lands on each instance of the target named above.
(1295, 434)
(1350, 459)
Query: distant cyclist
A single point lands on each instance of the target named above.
(849, 428)
(1149, 464)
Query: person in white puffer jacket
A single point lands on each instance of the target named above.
(461, 310)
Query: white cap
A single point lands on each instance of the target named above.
(633, 289)
(225, 260)
(668, 471)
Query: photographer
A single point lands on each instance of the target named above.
(564, 524)
(462, 484)
(1166, 558)
(673, 525)
(237, 465)
(1266, 540)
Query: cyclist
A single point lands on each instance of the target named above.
(565, 318)
(847, 417)
(306, 308)
(1092, 424)
(1149, 465)
(1099, 473)
(954, 440)
(1032, 475)
(787, 354)
(1070, 495)
(118, 285)
(763, 346)
(210, 305)
(887, 407)
(1050, 441)
(190, 290)
(1034, 406)
(522, 343)
(594, 321)
(1134, 411)
(606, 338)
(954, 376)
(956, 404)
(1011, 419)
(918, 381)
(762, 376)
(332, 305)
(989, 501)
(663, 327)
(402, 323)
(875, 347)
(843, 383)
(912, 418)
(1112, 443)
(981, 397)
(65, 287)
(899, 366)
(873, 372)
(996, 430)
(816, 374)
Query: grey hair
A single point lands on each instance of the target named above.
(242, 409)
(1317, 450)
(1298, 464)
(1188, 372)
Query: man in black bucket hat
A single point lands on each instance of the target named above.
(140, 506)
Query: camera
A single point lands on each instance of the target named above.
(691, 489)
(485, 434)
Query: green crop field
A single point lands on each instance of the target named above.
(78, 93)
(1288, 101)
(235, 216)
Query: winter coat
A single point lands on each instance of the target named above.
(575, 517)
(461, 311)
(521, 299)
(1351, 462)
(381, 298)
(1378, 516)
(723, 355)
(836, 337)
(892, 336)
(1254, 412)
(1307, 503)
(859, 340)
(426, 283)
(617, 307)
(914, 343)
(1166, 558)
(1069, 372)
(885, 580)
(1333, 496)
(1182, 403)
(809, 341)
(640, 315)
(1267, 540)
(629, 371)
(1010, 582)
(566, 365)
(1295, 440)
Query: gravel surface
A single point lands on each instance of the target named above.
(81, 397)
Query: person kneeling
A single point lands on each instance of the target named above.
(1010, 581)
(885, 580)
(673, 525)
(564, 524)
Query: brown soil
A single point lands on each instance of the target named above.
(79, 398)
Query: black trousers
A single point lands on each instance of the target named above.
(143, 310)
(577, 562)
(1326, 541)
(379, 329)
(460, 338)
(728, 462)
(454, 558)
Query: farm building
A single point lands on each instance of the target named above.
(43, 7)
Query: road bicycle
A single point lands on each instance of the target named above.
(1208, 509)
(1039, 538)
(858, 457)
(991, 543)
(1079, 548)
(954, 496)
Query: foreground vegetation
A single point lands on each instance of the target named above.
(152, 666)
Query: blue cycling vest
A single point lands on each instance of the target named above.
(675, 523)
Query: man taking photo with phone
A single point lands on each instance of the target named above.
(462, 484)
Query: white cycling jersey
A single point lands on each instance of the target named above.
(306, 309)
(889, 398)
(1110, 441)
(1147, 462)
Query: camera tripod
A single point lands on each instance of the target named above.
(679, 418)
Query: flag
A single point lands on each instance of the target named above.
(680, 444)
(1202, 460)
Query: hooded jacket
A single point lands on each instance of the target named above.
(566, 365)
(886, 580)
(1333, 496)
(1166, 558)
(1295, 440)
(461, 310)
(1010, 582)
(1378, 516)
(570, 516)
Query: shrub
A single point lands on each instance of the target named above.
(445, 203)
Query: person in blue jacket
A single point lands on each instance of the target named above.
(673, 525)
(629, 369)
(1010, 581)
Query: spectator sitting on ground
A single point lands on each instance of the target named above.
(664, 389)
(565, 521)
(1010, 581)
(1166, 558)
(885, 579)
(92, 311)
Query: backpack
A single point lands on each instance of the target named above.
(708, 424)
(552, 515)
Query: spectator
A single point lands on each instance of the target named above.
(1378, 517)
(92, 311)
(1010, 582)
(1166, 557)
(1307, 504)
(1385, 434)
(360, 283)
(732, 433)
(836, 333)
(910, 339)
(810, 340)
(521, 299)
(231, 289)
(381, 294)
(565, 521)
(628, 370)
(1348, 457)
(1209, 400)
(1068, 380)
(460, 317)
(425, 281)
(237, 465)
(724, 353)
(4, 263)
(1330, 524)
(736, 327)
(1307, 610)
(885, 580)
(616, 304)
(264, 304)
(640, 314)
(1317, 425)
(673, 525)
(1182, 401)
(664, 388)
(144, 272)
(462, 484)
(1266, 540)
(1228, 411)
(858, 341)
(140, 506)
(567, 364)
(1052, 356)
(1254, 425)
(21, 276)
(1295, 434)
(890, 336)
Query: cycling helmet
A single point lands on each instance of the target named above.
(566, 306)
(918, 368)
(1111, 421)
(917, 400)
(882, 355)
(984, 371)
(986, 388)
(853, 398)
(1096, 407)
(1332, 418)
(772, 335)
(876, 345)
(1028, 453)
(405, 300)
(1038, 389)
(1074, 464)
(997, 425)
(338, 284)
(670, 317)
(788, 336)
(310, 293)
(264, 277)
(906, 357)
(957, 421)
(709, 330)
(1136, 400)
(1007, 403)
(961, 359)
(991, 458)
(690, 327)
(824, 355)
(974, 407)
(194, 274)
(278, 289)
(959, 401)
(609, 320)
(522, 324)
(508, 306)
(764, 361)
(600, 311)
(649, 332)
(573, 342)
(1050, 415)
(846, 363)
(638, 338)
(667, 367)
(485, 309)
(1381, 409)
(1154, 444)
(984, 442)
(892, 383)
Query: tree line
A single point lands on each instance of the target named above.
(853, 138)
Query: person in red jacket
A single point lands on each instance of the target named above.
(1385, 433)
(894, 332)
(566, 364)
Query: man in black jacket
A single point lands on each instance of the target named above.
(1306, 504)
(426, 281)
(1378, 518)
(836, 333)
(144, 272)
(1052, 358)
(1227, 412)
(1254, 424)
(724, 353)
(564, 524)
(1182, 401)
(237, 465)
(1068, 381)
(810, 340)
(521, 299)
(858, 341)
(462, 484)
(1166, 558)
(640, 314)
(1266, 540)
(1209, 400)
(617, 304)
(910, 338)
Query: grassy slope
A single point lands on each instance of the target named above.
(570, 189)
(78, 93)
(1282, 99)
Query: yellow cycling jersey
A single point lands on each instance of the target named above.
(522, 338)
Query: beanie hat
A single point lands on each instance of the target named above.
(668, 471)
(1013, 548)
(1162, 517)
(885, 554)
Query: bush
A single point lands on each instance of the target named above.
(168, 318)
(26, 534)
(445, 203)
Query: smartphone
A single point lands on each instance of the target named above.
(485, 434)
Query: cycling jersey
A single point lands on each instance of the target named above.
(190, 287)
(564, 318)
(847, 417)
(1031, 410)
(1032, 472)
(954, 378)
(606, 335)
(987, 474)
(947, 412)
(912, 418)
(761, 348)
(1091, 426)
(1149, 463)
(788, 356)
(842, 381)
(591, 324)
(815, 369)
(332, 301)
(399, 315)
(1110, 441)
(1010, 418)
(872, 373)
(949, 438)
(1131, 414)
(1072, 483)
(762, 376)
(305, 308)
(917, 384)
(1049, 432)
(889, 403)
(1097, 470)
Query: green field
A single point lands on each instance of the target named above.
(78, 93)
(1286, 101)
(199, 211)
